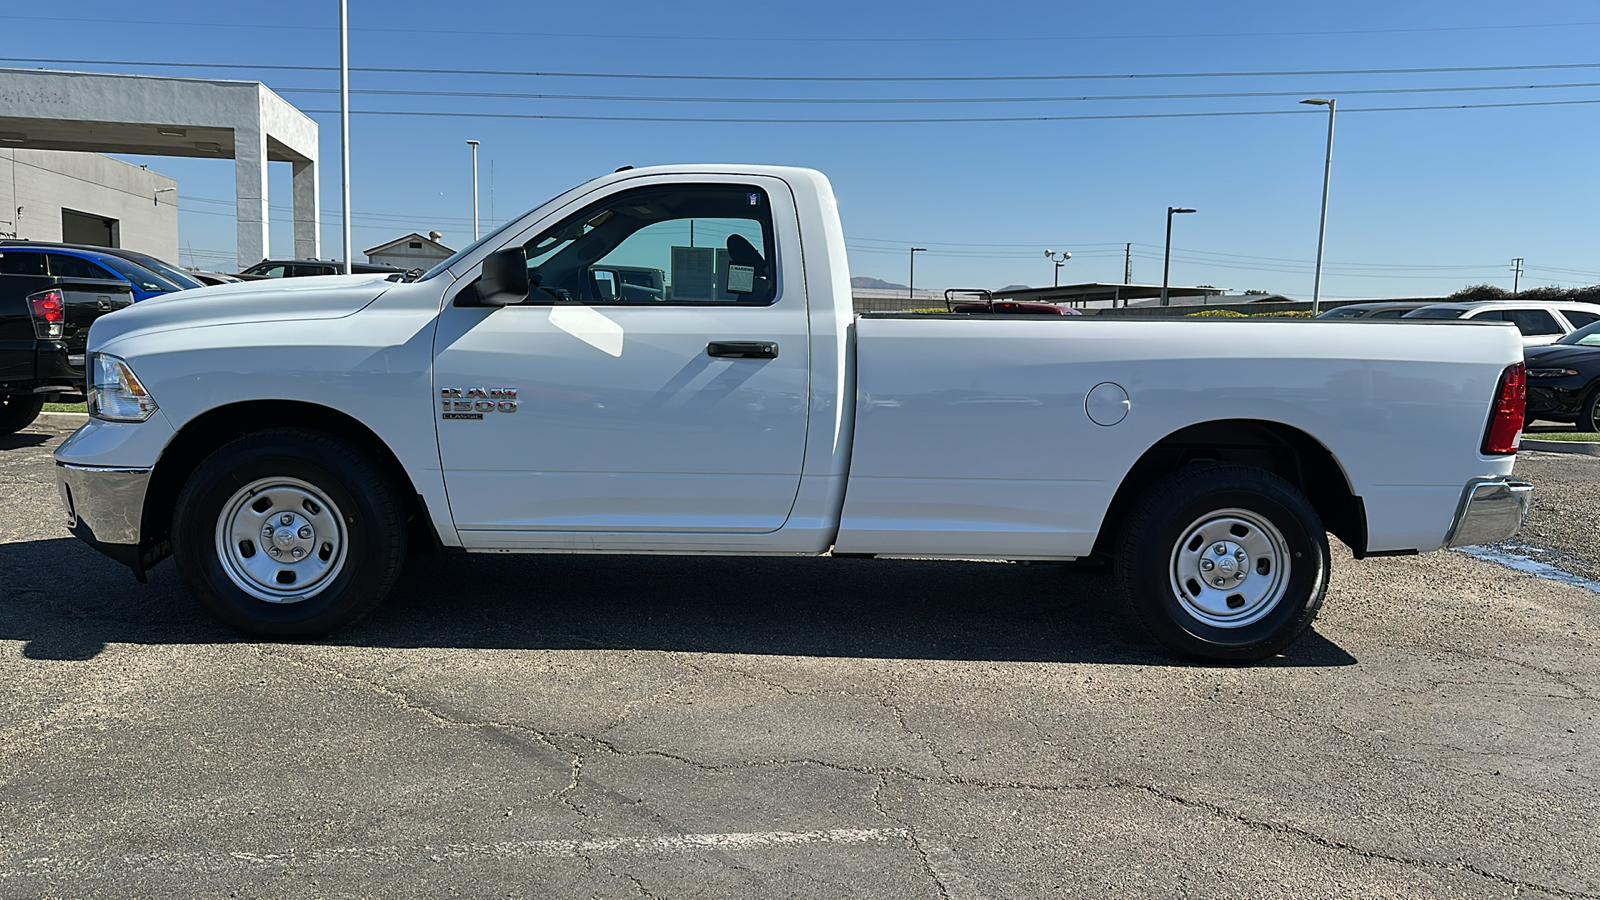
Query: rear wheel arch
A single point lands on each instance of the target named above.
(208, 432)
(1291, 454)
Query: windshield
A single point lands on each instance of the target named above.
(177, 276)
(1587, 336)
(1438, 312)
(1344, 313)
(455, 257)
(142, 278)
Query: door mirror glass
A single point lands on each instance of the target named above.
(505, 278)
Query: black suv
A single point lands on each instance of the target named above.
(298, 268)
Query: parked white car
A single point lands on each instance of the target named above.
(1539, 322)
(284, 439)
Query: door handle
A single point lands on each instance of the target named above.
(743, 349)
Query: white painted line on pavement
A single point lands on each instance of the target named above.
(1531, 566)
(222, 860)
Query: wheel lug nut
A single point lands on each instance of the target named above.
(305, 531)
(274, 551)
(1207, 565)
(1240, 574)
(1219, 582)
(1220, 549)
(297, 552)
(286, 519)
(267, 531)
(1240, 556)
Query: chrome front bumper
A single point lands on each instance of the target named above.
(1492, 509)
(104, 507)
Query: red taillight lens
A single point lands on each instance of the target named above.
(1510, 405)
(49, 314)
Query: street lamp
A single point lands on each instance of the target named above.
(1058, 259)
(1322, 227)
(911, 289)
(474, 189)
(1166, 259)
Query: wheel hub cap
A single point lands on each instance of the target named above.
(1230, 568)
(280, 539)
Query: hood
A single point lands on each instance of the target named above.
(273, 300)
(1561, 355)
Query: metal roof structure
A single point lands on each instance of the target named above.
(1112, 295)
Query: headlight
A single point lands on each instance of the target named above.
(1551, 373)
(115, 393)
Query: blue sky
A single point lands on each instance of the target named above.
(1423, 201)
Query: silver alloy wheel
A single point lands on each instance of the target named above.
(1230, 568)
(281, 539)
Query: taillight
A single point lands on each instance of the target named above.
(1510, 405)
(49, 314)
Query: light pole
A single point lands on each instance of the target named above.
(911, 289)
(1322, 227)
(344, 123)
(1058, 259)
(1166, 258)
(474, 189)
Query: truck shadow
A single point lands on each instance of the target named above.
(65, 602)
(20, 439)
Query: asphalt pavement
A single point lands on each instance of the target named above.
(616, 726)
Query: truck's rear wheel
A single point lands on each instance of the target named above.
(17, 411)
(1223, 562)
(288, 533)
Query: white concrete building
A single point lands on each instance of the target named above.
(158, 116)
(413, 251)
(87, 198)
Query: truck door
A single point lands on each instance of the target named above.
(598, 407)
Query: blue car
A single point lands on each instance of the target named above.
(67, 262)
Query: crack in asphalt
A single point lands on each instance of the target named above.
(881, 774)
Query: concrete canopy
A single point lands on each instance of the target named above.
(239, 120)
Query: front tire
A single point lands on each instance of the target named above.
(17, 411)
(1223, 562)
(1589, 410)
(288, 533)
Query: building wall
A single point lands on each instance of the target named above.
(406, 258)
(45, 182)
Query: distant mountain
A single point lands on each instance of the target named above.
(861, 281)
(1015, 287)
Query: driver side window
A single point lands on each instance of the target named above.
(679, 245)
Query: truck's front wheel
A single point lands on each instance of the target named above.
(17, 411)
(1224, 563)
(288, 533)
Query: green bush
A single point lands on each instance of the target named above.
(1284, 314)
(1218, 313)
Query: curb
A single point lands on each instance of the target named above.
(54, 413)
(1584, 448)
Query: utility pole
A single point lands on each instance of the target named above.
(344, 123)
(1516, 274)
(1322, 226)
(1127, 263)
(474, 145)
(1166, 257)
(911, 289)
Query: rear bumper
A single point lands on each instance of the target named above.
(104, 508)
(1492, 509)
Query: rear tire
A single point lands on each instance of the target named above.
(1223, 562)
(17, 411)
(288, 533)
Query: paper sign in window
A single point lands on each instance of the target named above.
(694, 273)
(741, 279)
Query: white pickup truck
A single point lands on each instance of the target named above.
(666, 360)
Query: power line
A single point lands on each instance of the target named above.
(748, 39)
(933, 119)
(400, 70)
(1217, 95)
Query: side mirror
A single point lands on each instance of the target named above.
(505, 278)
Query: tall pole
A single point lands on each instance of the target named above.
(1516, 274)
(344, 123)
(1322, 226)
(1166, 257)
(911, 289)
(1127, 263)
(474, 189)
